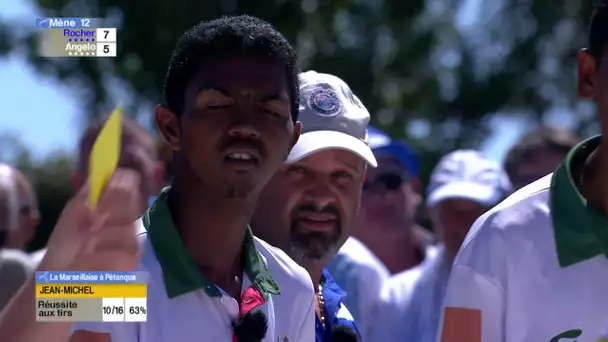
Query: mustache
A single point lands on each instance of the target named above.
(238, 141)
(311, 208)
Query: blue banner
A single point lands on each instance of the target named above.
(69, 23)
(109, 277)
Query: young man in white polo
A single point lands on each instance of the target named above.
(309, 206)
(230, 116)
(535, 268)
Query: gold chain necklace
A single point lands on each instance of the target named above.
(321, 301)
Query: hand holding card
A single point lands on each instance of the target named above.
(96, 230)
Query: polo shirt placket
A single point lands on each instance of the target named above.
(180, 271)
(182, 275)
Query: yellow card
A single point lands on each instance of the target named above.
(105, 155)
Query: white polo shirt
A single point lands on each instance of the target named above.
(534, 268)
(184, 306)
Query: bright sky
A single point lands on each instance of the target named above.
(43, 113)
(40, 111)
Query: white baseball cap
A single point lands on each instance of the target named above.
(467, 174)
(332, 117)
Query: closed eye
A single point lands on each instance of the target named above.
(343, 175)
(272, 112)
(216, 107)
(297, 169)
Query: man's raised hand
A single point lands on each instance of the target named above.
(103, 239)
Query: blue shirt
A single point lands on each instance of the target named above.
(358, 272)
(409, 308)
(335, 312)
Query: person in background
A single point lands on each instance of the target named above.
(15, 265)
(138, 153)
(361, 274)
(388, 205)
(308, 207)
(391, 196)
(534, 267)
(27, 217)
(463, 186)
(537, 154)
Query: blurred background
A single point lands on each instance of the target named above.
(442, 74)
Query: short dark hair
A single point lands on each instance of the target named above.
(555, 139)
(228, 35)
(598, 39)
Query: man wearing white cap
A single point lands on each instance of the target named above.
(308, 207)
(463, 186)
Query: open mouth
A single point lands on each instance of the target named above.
(242, 158)
(317, 221)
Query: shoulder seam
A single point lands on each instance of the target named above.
(490, 280)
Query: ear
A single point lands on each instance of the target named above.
(364, 173)
(168, 125)
(77, 179)
(297, 129)
(587, 68)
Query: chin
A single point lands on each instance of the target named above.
(239, 191)
(309, 254)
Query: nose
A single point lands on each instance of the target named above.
(243, 125)
(320, 195)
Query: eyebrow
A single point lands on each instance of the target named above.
(214, 88)
(350, 166)
(260, 98)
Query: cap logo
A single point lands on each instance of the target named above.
(325, 102)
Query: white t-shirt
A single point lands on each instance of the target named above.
(183, 306)
(534, 268)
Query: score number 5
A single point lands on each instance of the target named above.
(106, 42)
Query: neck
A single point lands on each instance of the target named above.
(595, 184)
(212, 227)
(398, 249)
(315, 270)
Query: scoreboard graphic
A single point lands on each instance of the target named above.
(91, 296)
(76, 37)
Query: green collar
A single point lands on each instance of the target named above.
(581, 232)
(180, 272)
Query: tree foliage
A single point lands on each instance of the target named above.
(412, 63)
(424, 74)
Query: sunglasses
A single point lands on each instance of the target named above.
(386, 181)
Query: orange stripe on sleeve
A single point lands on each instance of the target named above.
(461, 325)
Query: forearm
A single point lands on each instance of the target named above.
(18, 319)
